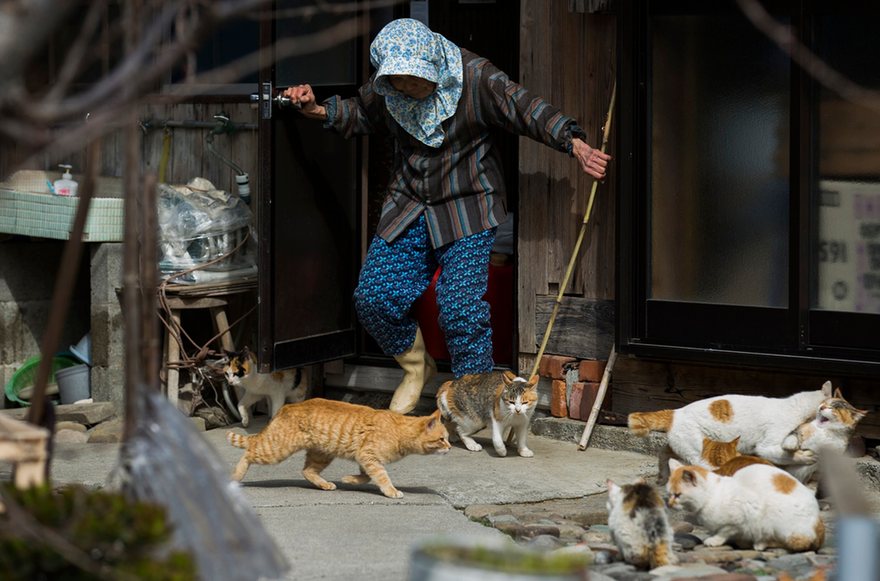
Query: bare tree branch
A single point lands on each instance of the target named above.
(814, 66)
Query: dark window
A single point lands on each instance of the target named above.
(750, 190)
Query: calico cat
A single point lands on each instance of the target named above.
(279, 387)
(835, 422)
(762, 423)
(330, 429)
(759, 506)
(639, 525)
(500, 400)
(726, 459)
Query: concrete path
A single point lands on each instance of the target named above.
(355, 532)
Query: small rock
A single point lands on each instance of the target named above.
(542, 530)
(682, 526)
(109, 432)
(480, 511)
(570, 532)
(602, 558)
(75, 426)
(71, 437)
(593, 538)
(544, 542)
(598, 528)
(498, 519)
(513, 529)
(687, 540)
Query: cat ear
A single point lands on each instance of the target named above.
(689, 477)
(838, 394)
(434, 418)
(859, 414)
(508, 377)
(735, 441)
(611, 486)
(533, 380)
(674, 464)
(826, 389)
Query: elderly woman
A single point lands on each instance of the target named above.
(446, 194)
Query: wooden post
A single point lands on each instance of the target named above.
(594, 413)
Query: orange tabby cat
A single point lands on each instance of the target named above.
(726, 458)
(330, 429)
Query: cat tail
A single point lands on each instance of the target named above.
(642, 423)
(237, 440)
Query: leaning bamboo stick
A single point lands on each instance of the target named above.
(577, 247)
(597, 404)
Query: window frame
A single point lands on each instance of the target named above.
(796, 337)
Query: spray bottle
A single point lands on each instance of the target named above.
(66, 186)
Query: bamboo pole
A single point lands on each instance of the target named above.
(577, 247)
(597, 404)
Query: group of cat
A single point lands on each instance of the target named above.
(329, 429)
(742, 465)
(745, 468)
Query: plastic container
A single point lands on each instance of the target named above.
(83, 349)
(66, 186)
(21, 384)
(74, 383)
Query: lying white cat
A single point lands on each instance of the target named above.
(759, 506)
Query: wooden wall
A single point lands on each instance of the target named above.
(569, 59)
(188, 156)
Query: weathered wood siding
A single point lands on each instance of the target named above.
(569, 59)
(188, 156)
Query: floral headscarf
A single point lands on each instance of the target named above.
(408, 47)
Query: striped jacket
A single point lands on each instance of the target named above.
(459, 186)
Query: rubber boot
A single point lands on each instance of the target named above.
(418, 368)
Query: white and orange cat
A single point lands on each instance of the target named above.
(725, 459)
(832, 429)
(759, 506)
(500, 400)
(639, 525)
(761, 423)
(329, 429)
(279, 387)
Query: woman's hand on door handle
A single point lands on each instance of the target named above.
(303, 95)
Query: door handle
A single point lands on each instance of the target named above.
(279, 100)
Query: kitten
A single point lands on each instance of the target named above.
(834, 425)
(330, 429)
(639, 525)
(278, 387)
(726, 459)
(759, 506)
(761, 422)
(500, 400)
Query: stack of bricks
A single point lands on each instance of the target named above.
(575, 385)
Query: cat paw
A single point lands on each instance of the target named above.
(805, 457)
(327, 486)
(714, 541)
(501, 450)
(245, 421)
(790, 443)
(473, 446)
(526, 453)
(760, 546)
(393, 493)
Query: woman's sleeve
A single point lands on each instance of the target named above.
(359, 115)
(510, 106)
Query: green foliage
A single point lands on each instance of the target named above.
(510, 560)
(121, 537)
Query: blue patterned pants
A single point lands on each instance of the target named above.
(395, 274)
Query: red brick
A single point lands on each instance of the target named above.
(591, 370)
(583, 394)
(553, 366)
(558, 405)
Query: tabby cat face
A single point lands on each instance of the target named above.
(519, 396)
(837, 413)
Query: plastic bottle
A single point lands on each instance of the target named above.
(66, 186)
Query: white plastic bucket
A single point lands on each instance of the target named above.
(73, 383)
